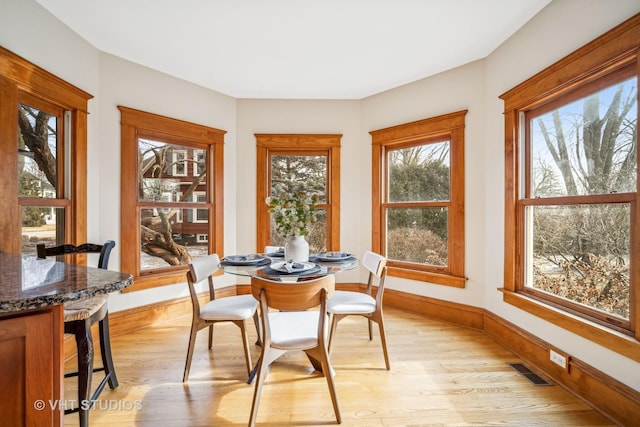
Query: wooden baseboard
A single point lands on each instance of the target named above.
(618, 402)
(459, 314)
(613, 399)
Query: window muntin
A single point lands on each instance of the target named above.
(580, 184)
(171, 197)
(418, 199)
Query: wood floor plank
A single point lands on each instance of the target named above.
(441, 375)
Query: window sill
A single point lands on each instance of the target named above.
(427, 276)
(153, 280)
(614, 341)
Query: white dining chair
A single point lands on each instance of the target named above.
(294, 317)
(236, 309)
(347, 303)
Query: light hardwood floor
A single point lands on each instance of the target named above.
(441, 375)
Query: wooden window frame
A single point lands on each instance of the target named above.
(21, 80)
(298, 144)
(135, 123)
(616, 49)
(451, 127)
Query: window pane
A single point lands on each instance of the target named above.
(169, 172)
(419, 173)
(292, 174)
(581, 253)
(184, 230)
(37, 153)
(587, 146)
(417, 235)
(41, 225)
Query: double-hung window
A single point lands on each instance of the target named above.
(172, 181)
(289, 163)
(572, 236)
(43, 142)
(418, 199)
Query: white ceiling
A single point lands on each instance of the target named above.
(297, 49)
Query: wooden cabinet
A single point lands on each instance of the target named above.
(31, 368)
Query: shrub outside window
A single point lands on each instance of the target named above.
(580, 179)
(418, 214)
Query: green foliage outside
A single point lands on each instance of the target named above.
(418, 234)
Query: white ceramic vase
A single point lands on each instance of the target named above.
(296, 248)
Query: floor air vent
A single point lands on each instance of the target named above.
(533, 378)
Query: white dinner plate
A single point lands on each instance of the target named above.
(250, 259)
(334, 256)
(301, 267)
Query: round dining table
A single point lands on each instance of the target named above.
(273, 266)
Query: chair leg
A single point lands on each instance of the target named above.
(263, 366)
(210, 336)
(370, 329)
(245, 344)
(84, 342)
(327, 370)
(256, 321)
(192, 343)
(334, 324)
(105, 351)
(383, 339)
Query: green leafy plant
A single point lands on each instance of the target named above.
(293, 214)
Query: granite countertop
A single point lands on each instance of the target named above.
(28, 283)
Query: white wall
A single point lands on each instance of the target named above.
(30, 31)
(454, 90)
(559, 29)
(299, 116)
(131, 85)
(563, 26)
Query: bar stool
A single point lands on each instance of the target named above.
(78, 317)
